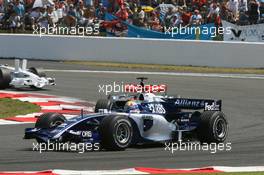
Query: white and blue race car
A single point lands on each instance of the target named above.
(122, 121)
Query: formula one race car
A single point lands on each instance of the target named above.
(21, 76)
(145, 118)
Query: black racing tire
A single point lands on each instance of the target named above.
(49, 120)
(102, 104)
(5, 78)
(213, 127)
(116, 133)
(37, 71)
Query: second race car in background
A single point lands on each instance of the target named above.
(20, 76)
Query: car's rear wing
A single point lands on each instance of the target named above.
(195, 104)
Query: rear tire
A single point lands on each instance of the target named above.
(116, 133)
(50, 120)
(213, 127)
(102, 104)
(5, 78)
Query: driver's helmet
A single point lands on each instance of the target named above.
(132, 106)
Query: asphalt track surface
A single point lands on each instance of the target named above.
(243, 101)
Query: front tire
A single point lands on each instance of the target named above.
(116, 132)
(102, 104)
(213, 127)
(50, 120)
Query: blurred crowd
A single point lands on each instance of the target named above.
(25, 15)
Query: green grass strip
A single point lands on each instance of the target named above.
(12, 107)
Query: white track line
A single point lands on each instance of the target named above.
(31, 99)
(98, 172)
(29, 115)
(135, 171)
(240, 169)
(213, 75)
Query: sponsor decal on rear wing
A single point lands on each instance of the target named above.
(207, 105)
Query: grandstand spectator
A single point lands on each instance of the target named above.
(60, 9)
(261, 10)
(139, 17)
(14, 22)
(213, 10)
(81, 20)
(52, 15)
(34, 17)
(204, 13)
(18, 16)
(214, 14)
(154, 22)
(243, 11)
(123, 14)
(157, 11)
(130, 14)
(43, 19)
(100, 12)
(243, 6)
(176, 21)
(19, 8)
(5, 19)
(70, 19)
(232, 10)
(186, 16)
(196, 18)
(168, 16)
(133, 5)
(253, 11)
(141, 13)
(2, 11)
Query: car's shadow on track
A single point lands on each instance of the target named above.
(27, 89)
(148, 145)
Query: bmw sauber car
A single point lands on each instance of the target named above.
(20, 76)
(146, 118)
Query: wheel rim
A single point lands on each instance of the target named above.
(221, 128)
(122, 133)
(56, 123)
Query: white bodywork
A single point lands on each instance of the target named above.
(161, 129)
(20, 76)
